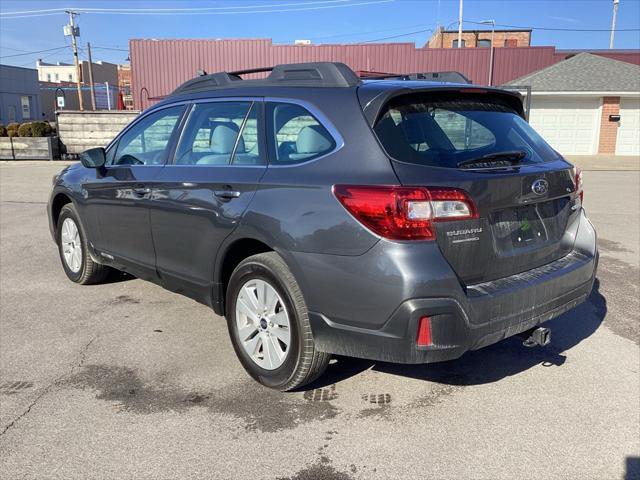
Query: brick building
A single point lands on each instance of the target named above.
(124, 85)
(480, 38)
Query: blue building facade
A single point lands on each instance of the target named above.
(19, 95)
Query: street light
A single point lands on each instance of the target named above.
(613, 22)
(493, 29)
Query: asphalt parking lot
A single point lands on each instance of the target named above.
(126, 380)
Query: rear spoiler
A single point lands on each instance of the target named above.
(373, 107)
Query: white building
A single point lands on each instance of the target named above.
(64, 72)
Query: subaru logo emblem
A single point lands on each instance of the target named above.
(540, 187)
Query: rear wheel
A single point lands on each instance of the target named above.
(269, 324)
(74, 254)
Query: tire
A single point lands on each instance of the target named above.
(302, 363)
(80, 268)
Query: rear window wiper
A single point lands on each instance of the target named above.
(494, 160)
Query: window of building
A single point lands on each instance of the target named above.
(455, 44)
(48, 77)
(70, 77)
(484, 43)
(511, 42)
(57, 78)
(25, 101)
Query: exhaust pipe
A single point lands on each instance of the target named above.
(536, 337)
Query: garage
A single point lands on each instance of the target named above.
(575, 105)
(570, 125)
(628, 141)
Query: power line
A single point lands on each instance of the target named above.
(397, 36)
(559, 29)
(180, 9)
(364, 33)
(2, 15)
(110, 48)
(235, 10)
(32, 53)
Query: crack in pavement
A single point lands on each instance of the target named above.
(77, 364)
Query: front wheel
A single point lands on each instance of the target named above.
(74, 252)
(269, 324)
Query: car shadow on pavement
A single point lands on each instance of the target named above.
(495, 362)
(632, 470)
(117, 276)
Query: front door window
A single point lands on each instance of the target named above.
(146, 142)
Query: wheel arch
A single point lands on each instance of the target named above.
(234, 253)
(59, 201)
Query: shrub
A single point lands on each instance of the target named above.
(25, 130)
(12, 129)
(40, 129)
(3, 131)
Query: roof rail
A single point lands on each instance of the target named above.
(446, 77)
(312, 74)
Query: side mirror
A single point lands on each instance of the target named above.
(93, 158)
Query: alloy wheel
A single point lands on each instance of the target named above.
(264, 329)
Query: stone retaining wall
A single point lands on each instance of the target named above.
(80, 131)
(28, 148)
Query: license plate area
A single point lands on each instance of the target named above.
(530, 225)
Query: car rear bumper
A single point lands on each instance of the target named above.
(469, 319)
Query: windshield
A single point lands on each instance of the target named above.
(445, 130)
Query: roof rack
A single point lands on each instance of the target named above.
(313, 74)
(445, 77)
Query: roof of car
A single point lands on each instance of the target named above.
(305, 79)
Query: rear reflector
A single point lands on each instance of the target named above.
(405, 213)
(424, 332)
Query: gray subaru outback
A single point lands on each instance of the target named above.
(387, 219)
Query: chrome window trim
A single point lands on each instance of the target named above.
(321, 118)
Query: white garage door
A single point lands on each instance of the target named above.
(570, 125)
(628, 141)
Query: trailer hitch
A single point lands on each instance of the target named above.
(536, 337)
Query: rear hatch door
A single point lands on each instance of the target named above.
(524, 191)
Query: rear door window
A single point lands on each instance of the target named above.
(296, 136)
(443, 130)
(220, 133)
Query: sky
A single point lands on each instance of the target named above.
(554, 22)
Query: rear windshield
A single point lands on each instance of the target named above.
(446, 130)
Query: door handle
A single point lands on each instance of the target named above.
(226, 194)
(141, 191)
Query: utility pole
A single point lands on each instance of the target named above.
(73, 31)
(493, 29)
(460, 26)
(613, 22)
(91, 87)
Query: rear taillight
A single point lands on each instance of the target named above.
(577, 180)
(405, 213)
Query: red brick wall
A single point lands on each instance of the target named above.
(445, 39)
(608, 129)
